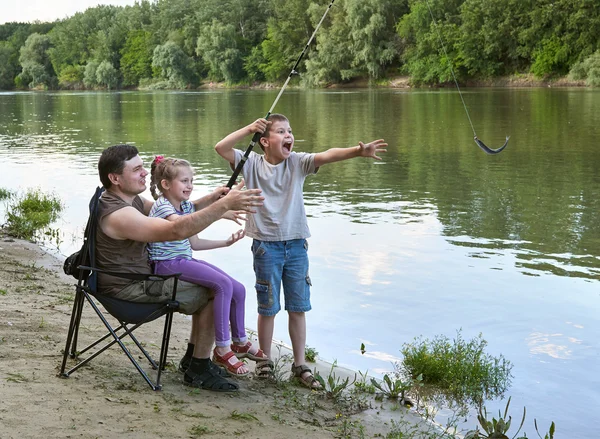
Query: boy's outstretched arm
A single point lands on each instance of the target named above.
(225, 146)
(370, 149)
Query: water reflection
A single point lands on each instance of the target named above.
(435, 237)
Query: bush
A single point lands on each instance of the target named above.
(588, 69)
(458, 369)
(29, 214)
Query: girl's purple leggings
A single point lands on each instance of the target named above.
(230, 295)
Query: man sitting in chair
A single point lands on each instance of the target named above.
(121, 238)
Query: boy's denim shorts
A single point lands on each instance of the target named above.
(277, 262)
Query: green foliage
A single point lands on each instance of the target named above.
(218, 46)
(334, 386)
(394, 388)
(310, 354)
(498, 428)
(89, 74)
(5, 193)
(549, 58)
(239, 41)
(31, 213)
(136, 57)
(588, 69)
(106, 75)
(70, 76)
(35, 61)
(460, 369)
(172, 64)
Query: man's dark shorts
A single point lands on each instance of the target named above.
(191, 297)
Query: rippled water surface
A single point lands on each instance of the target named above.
(436, 237)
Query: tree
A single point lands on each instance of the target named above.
(107, 75)
(217, 44)
(136, 57)
(35, 61)
(375, 43)
(89, 75)
(172, 63)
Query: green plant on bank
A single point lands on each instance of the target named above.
(362, 384)
(199, 430)
(5, 193)
(395, 388)
(27, 215)
(498, 428)
(334, 386)
(459, 369)
(310, 354)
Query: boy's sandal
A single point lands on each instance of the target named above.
(223, 360)
(304, 376)
(209, 379)
(248, 351)
(265, 369)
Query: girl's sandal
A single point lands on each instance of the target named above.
(304, 376)
(265, 369)
(248, 351)
(232, 368)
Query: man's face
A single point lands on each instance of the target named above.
(133, 179)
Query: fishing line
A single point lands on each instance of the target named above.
(482, 145)
(293, 72)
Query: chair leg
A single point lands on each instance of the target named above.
(71, 343)
(164, 348)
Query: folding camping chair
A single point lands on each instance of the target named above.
(130, 315)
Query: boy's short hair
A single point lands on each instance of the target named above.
(112, 161)
(275, 117)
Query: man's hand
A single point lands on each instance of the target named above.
(372, 148)
(235, 237)
(234, 215)
(237, 199)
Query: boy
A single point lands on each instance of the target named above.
(280, 228)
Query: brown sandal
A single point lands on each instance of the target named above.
(307, 380)
(265, 369)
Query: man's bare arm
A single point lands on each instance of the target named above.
(128, 223)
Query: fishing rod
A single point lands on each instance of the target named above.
(293, 72)
(479, 143)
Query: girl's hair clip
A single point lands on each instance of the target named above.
(158, 159)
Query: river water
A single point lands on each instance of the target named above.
(436, 237)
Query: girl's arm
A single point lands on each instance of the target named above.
(207, 244)
(362, 150)
(225, 146)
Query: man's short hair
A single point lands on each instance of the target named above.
(112, 161)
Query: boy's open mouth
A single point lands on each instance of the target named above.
(287, 146)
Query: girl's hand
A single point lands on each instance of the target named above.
(372, 148)
(235, 216)
(259, 126)
(235, 237)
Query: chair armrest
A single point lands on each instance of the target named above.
(131, 276)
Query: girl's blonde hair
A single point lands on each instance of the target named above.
(164, 169)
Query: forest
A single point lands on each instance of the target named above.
(177, 44)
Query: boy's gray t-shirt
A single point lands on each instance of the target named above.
(282, 216)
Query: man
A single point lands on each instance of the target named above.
(121, 238)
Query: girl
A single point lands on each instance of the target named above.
(173, 178)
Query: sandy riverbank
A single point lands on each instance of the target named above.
(109, 399)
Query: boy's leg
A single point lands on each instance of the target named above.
(296, 290)
(297, 329)
(268, 267)
(265, 328)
